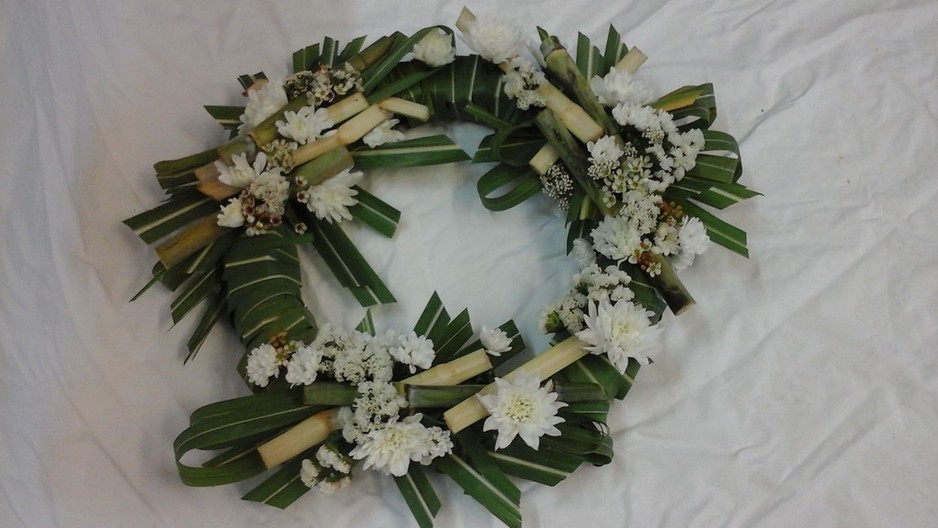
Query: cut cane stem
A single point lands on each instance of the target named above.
(192, 239)
(632, 61)
(453, 372)
(350, 132)
(671, 288)
(404, 107)
(544, 159)
(560, 62)
(544, 365)
(326, 166)
(302, 436)
(347, 108)
(210, 186)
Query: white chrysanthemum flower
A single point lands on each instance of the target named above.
(495, 40)
(303, 366)
(521, 408)
(616, 238)
(263, 103)
(331, 199)
(435, 49)
(639, 116)
(693, 240)
(495, 341)
(666, 239)
(241, 173)
(271, 187)
(605, 150)
(413, 351)
(232, 214)
(521, 80)
(383, 133)
(621, 331)
(583, 253)
(619, 87)
(263, 364)
(392, 448)
(305, 125)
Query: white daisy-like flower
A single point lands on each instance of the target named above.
(305, 125)
(495, 341)
(616, 238)
(666, 239)
(621, 331)
(435, 49)
(241, 173)
(619, 87)
(521, 81)
(413, 351)
(383, 133)
(495, 40)
(331, 199)
(263, 364)
(303, 366)
(521, 408)
(392, 448)
(693, 240)
(232, 214)
(263, 103)
(605, 151)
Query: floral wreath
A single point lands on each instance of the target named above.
(632, 173)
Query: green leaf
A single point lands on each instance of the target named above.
(721, 232)
(432, 150)
(588, 58)
(229, 117)
(375, 213)
(449, 342)
(213, 310)
(522, 183)
(351, 49)
(481, 489)
(419, 495)
(544, 466)
(172, 215)
(284, 487)
(615, 50)
(373, 76)
(347, 264)
(433, 316)
(367, 324)
(306, 58)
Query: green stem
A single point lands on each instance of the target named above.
(671, 288)
(562, 65)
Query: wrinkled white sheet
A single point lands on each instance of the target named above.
(801, 391)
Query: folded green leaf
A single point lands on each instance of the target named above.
(431, 150)
(419, 495)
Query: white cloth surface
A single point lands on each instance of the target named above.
(802, 390)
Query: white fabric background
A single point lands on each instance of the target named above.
(801, 391)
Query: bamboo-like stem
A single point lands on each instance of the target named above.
(572, 115)
(238, 145)
(329, 393)
(266, 131)
(371, 54)
(438, 396)
(404, 107)
(184, 164)
(671, 288)
(560, 138)
(350, 132)
(195, 237)
(452, 372)
(632, 61)
(466, 17)
(299, 438)
(210, 186)
(560, 62)
(544, 159)
(347, 108)
(326, 166)
(544, 365)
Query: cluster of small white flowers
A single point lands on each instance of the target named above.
(378, 403)
(263, 363)
(261, 204)
(521, 80)
(305, 125)
(262, 103)
(557, 183)
(331, 199)
(391, 448)
(413, 350)
(329, 472)
(495, 40)
(620, 330)
(591, 284)
(435, 49)
(383, 133)
(692, 240)
(324, 84)
(521, 408)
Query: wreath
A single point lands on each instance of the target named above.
(632, 173)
